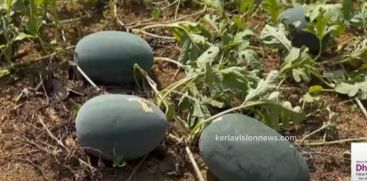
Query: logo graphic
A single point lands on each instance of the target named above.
(359, 162)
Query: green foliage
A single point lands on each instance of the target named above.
(353, 88)
(360, 17)
(276, 37)
(359, 54)
(221, 61)
(156, 14)
(21, 20)
(347, 7)
(273, 7)
(325, 19)
(221, 67)
(299, 65)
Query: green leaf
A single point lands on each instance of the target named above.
(247, 6)
(308, 98)
(273, 7)
(300, 65)
(274, 96)
(276, 36)
(22, 36)
(249, 58)
(210, 22)
(331, 11)
(325, 19)
(238, 23)
(208, 57)
(215, 103)
(243, 35)
(197, 111)
(190, 51)
(184, 103)
(217, 4)
(300, 74)
(353, 89)
(234, 78)
(359, 19)
(360, 52)
(197, 39)
(263, 87)
(275, 114)
(347, 8)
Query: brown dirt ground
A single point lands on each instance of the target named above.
(27, 152)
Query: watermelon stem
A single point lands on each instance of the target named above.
(244, 105)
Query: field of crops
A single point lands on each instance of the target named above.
(298, 66)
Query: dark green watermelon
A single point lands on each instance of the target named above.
(108, 57)
(119, 126)
(231, 156)
(296, 20)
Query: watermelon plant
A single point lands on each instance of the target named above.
(222, 67)
(323, 21)
(225, 86)
(23, 20)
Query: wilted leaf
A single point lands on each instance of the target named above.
(198, 39)
(299, 65)
(22, 36)
(300, 74)
(249, 58)
(353, 89)
(360, 17)
(360, 52)
(215, 103)
(264, 86)
(211, 22)
(208, 57)
(184, 103)
(308, 98)
(197, 111)
(217, 4)
(274, 96)
(243, 35)
(234, 78)
(275, 113)
(276, 36)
